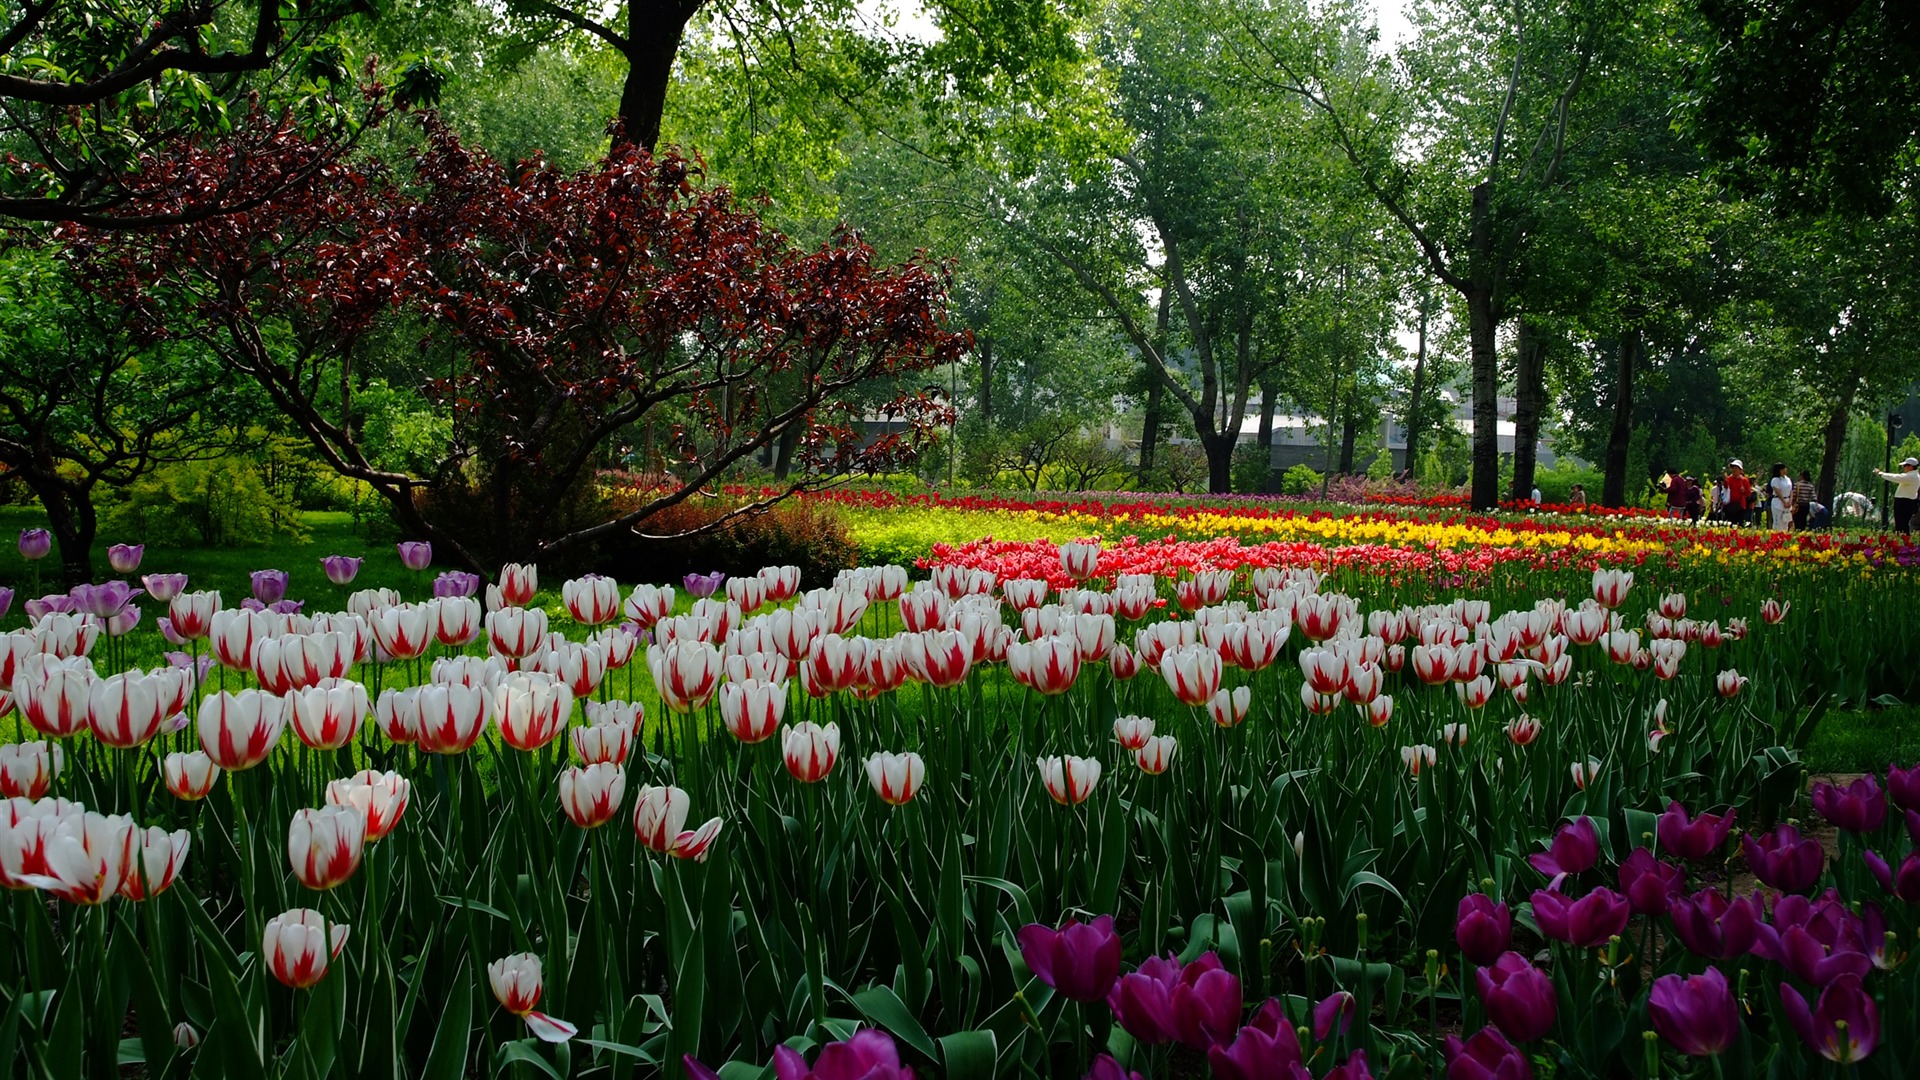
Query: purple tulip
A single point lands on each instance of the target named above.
(696, 1070)
(1575, 849)
(1519, 997)
(1080, 960)
(1843, 1027)
(286, 607)
(125, 558)
(869, 1055)
(1206, 1003)
(1880, 941)
(1860, 807)
(6, 601)
(1783, 860)
(1905, 883)
(105, 600)
(1650, 885)
(1903, 787)
(1105, 1067)
(699, 585)
(1482, 927)
(1695, 838)
(1335, 1008)
(1266, 1047)
(47, 605)
(1818, 940)
(1486, 1056)
(35, 544)
(1913, 826)
(415, 554)
(1354, 1068)
(340, 569)
(123, 622)
(1142, 1000)
(164, 587)
(1711, 925)
(456, 583)
(269, 585)
(198, 665)
(1587, 922)
(1696, 1014)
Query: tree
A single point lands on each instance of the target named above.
(81, 407)
(569, 310)
(1491, 93)
(1813, 98)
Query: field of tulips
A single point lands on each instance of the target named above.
(1314, 799)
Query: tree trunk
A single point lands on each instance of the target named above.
(788, 442)
(654, 30)
(1219, 447)
(985, 404)
(1530, 354)
(1483, 322)
(1416, 400)
(1268, 402)
(1613, 490)
(71, 520)
(1349, 431)
(1156, 388)
(1833, 440)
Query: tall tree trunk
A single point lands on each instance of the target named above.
(1416, 400)
(788, 442)
(1349, 431)
(1156, 387)
(1833, 440)
(1529, 393)
(1219, 447)
(1613, 490)
(1483, 322)
(985, 404)
(1268, 402)
(654, 31)
(71, 520)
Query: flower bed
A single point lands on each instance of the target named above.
(1323, 797)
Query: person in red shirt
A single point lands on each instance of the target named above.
(1739, 493)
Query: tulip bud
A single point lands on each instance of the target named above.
(516, 984)
(298, 945)
(324, 846)
(1069, 780)
(1132, 732)
(591, 796)
(1155, 755)
(896, 778)
(190, 776)
(810, 750)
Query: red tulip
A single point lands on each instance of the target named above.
(591, 796)
(324, 846)
(896, 778)
(298, 945)
(810, 750)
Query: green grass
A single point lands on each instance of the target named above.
(1866, 741)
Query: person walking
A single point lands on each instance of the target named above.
(1906, 493)
(1780, 497)
(1804, 496)
(1739, 493)
(1696, 501)
(1718, 510)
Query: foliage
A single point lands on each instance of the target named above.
(789, 534)
(1300, 480)
(1252, 469)
(223, 502)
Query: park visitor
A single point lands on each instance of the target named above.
(1906, 492)
(1739, 493)
(1804, 496)
(1578, 496)
(1780, 505)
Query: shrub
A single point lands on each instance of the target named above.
(814, 538)
(1252, 469)
(219, 503)
(1300, 480)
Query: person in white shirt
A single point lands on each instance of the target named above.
(1781, 505)
(1906, 492)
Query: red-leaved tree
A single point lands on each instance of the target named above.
(561, 313)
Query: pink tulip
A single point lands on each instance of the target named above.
(415, 555)
(299, 943)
